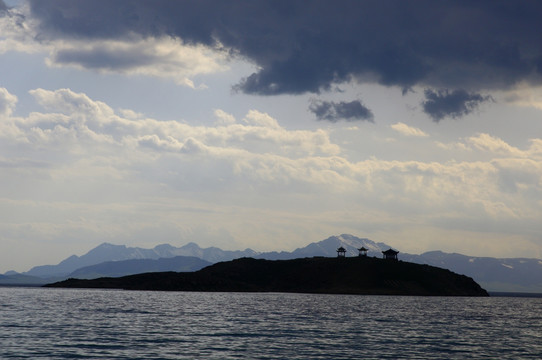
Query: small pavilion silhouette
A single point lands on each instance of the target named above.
(390, 254)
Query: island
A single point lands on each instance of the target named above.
(325, 275)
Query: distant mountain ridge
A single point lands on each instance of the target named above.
(109, 252)
(135, 266)
(506, 274)
(509, 274)
(328, 247)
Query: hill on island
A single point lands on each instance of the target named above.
(354, 275)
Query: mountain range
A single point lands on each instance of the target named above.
(135, 266)
(493, 274)
(109, 252)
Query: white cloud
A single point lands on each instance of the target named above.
(7, 102)
(454, 146)
(121, 170)
(67, 102)
(535, 149)
(130, 114)
(166, 57)
(17, 32)
(259, 149)
(525, 95)
(408, 130)
(73, 119)
(257, 118)
(223, 118)
(494, 145)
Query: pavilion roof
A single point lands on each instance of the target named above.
(390, 252)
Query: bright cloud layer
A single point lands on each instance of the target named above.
(165, 58)
(80, 153)
(408, 130)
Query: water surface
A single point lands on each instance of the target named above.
(39, 323)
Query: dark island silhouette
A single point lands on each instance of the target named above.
(342, 275)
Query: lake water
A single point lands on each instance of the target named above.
(38, 323)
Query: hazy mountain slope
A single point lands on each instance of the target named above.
(136, 266)
(109, 252)
(21, 279)
(508, 274)
(211, 254)
(101, 253)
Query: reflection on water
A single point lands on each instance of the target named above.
(58, 323)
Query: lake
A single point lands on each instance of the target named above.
(39, 323)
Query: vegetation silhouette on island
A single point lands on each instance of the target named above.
(361, 275)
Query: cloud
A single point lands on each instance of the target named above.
(7, 102)
(257, 118)
(524, 95)
(164, 57)
(515, 175)
(486, 142)
(17, 32)
(335, 111)
(76, 132)
(68, 102)
(408, 130)
(223, 118)
(73, 119)
(78, 163)
(457, 103)
(307, 46)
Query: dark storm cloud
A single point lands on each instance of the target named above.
(333, 111)
(456, 103)
(3, 7)
(304, 46)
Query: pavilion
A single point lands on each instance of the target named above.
(390, 254)
(341, 252)
(363, 251)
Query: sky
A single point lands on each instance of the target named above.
(269, 125)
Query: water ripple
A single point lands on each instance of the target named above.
(104, 324)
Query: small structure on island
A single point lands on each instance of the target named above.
(363, 251)
(341, 252)
(390, 254)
